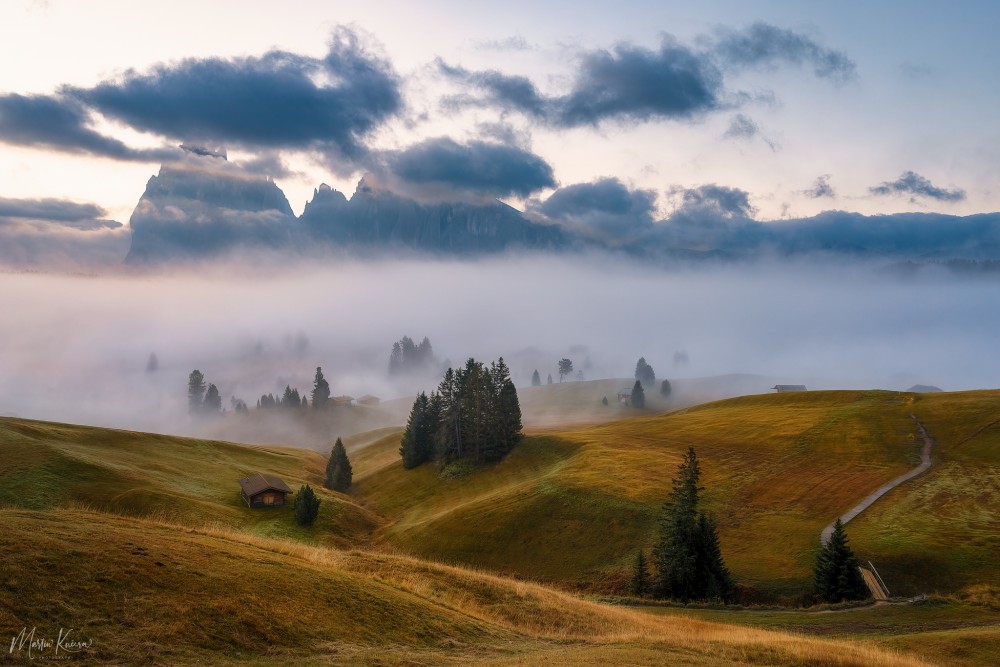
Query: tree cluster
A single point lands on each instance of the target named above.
(407, 357)
(687, 559)
(836, 573)
(474, 415)
(290, 399)
(202, 399)
(339, 474)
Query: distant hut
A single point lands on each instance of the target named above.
(368, 399)
(263, 490)
(342, 401)
(783, 388)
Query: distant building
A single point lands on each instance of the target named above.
(782, 388)
(263, 490)
(368, 399)
(342, 401)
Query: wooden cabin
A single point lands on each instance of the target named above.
(263, 490)
(368, 399)
(342, 401)
(782, 388)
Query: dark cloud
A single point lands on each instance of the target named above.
(766, 45)
(605, 208)
(719, 201)
(913, 184)
(57, 233)
(61, 123)
(277, 100)
(626, 84)
(479, 168)
(711, 218)
(821, 188)
(743, 127)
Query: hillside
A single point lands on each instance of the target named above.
(138, 544)
(571, 507)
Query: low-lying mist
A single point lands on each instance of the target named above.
(76, 348)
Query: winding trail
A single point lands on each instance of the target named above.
(925, 463)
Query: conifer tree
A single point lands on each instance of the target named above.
(339, 474)
(644, 373)
(665, 388)
(639, 583)
(212, 404)
(321, 390)
(536, 379)
(196, 391)
(549, 381)
(417, 446)
(306, 506)
(687, 558)
(836, 573)
(638, 396)
(565, 368)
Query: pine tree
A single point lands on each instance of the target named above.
(639, 583)
(565, 368)
(604, 401)
(536, 379)
(321, 390)
(644, 373)
(687, 557)
(836, 573)
(417, 444)
(549, 381)
(306, 506)
(196, 391)
(212, 404)
(638, 396)
(339, 474)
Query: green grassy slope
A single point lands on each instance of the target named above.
(148, 592)
(572, 507)
(46, 465)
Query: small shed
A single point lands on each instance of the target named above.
(342, 401)
(263, 490)
(782, 388)
(368, 399)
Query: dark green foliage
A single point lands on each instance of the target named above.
(687, 558)
(644, 373)
(239, 405)
(474, 416)
(339, 474)
(639, 583)
(565, 368)
(536, 379)
(212, 405)
(267, 401)
(665, 388)
(604, 400)
(418, 439)
(306, 506)
(638, 396)
(290, 399)
(406, 357)
(196, 391)
(836, 572)
(321, 390)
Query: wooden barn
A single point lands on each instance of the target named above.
(782, 388)
(342, 401)
(263, 490)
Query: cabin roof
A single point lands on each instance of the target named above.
(259, 481)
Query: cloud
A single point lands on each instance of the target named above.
(768, 46)
(277, 100)
(61, 122)
(743, 127)
(478, 168)
(57, 233)
(606, 208)
(821, 188)
(514, 43)
(500, 90)
(915, 185)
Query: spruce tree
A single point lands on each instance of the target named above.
(549, 381)
(212, 404)
(196, 391)
(687, 558)
(836, 573)
(339, 474)
(536, 379)
(639, 583)
(321, 390)
(416, 447)
(644, 373)
(638, 396)
(306, 506)
(665, 388)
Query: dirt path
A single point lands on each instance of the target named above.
(925, 463)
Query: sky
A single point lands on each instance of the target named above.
(869, 107)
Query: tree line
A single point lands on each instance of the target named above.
(474, 415)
